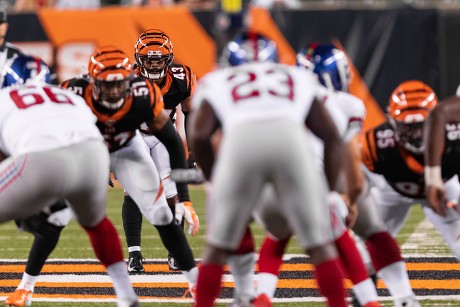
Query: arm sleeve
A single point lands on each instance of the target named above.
(172, 141)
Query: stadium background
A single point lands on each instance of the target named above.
(386, 46)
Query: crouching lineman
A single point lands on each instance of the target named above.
(71, 162)
(122, 103)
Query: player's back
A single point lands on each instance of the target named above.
(37, 117)
(258, 91)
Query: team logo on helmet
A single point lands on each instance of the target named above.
(409, 106)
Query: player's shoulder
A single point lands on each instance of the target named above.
(80, 81)
(351, 104)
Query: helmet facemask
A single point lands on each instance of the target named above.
(111, 94)
(153, 54)
(409, 134)
(110, 74)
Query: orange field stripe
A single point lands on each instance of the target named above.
(453, 284)
(97, 268)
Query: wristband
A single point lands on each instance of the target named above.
(433, 176)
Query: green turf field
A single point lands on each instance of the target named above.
(75, 244)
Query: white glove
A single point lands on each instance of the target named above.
(185, 210)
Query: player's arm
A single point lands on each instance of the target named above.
(353, 174)
(203, 123)
(447, 111)
(320, 123)
(161, 126)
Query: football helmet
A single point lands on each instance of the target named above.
(21, 68)
(153, 52)
(409, 106)
(328, 62)
(248, 47)
(110, 73)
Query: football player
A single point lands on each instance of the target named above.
(37, 159)
(262, 109)
(331, 67)
(154, 62)
(122, 102)
(395, 151)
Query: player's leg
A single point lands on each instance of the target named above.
(46, 228)
(267, 214)
(137, 173)
(132, 226)
(235, 190)
(303, 194)
(160, 157)
(242, 262)
(355, 269)
(382, 247)
(448, 227)
(86, 191)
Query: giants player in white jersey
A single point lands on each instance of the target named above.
(348, 113)
(51, 163)
(263, 109)
(330, 65)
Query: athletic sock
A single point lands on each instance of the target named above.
(208, 284)
(121, 282)
(28, 282)
(105, 242)
(330, 278)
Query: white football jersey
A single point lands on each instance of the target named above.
(39, 117)
(258, 91)
(347, 112)
(352, 107)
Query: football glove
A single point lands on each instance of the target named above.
(185, 210)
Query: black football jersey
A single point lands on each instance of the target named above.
(403, 170)
(119, 127)
(179, 84)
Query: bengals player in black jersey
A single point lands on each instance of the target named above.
(442, 138)
(154, 60)
(394, 150)
(122, 102)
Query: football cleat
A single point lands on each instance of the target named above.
(191, 291)
(124, 303)
(136, 264)
(262, 301)
(410, 301)
(239, 302)
(373, 304)
(20, 297)
(172, 264)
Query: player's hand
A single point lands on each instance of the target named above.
(352, 216)
(436, 199)
(191, 160)
(185, 210)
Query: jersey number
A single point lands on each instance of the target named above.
(178, 72)
(246, 86)
(32, 96)
(385, 138)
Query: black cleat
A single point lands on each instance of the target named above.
(172, 264)
(136, 264)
